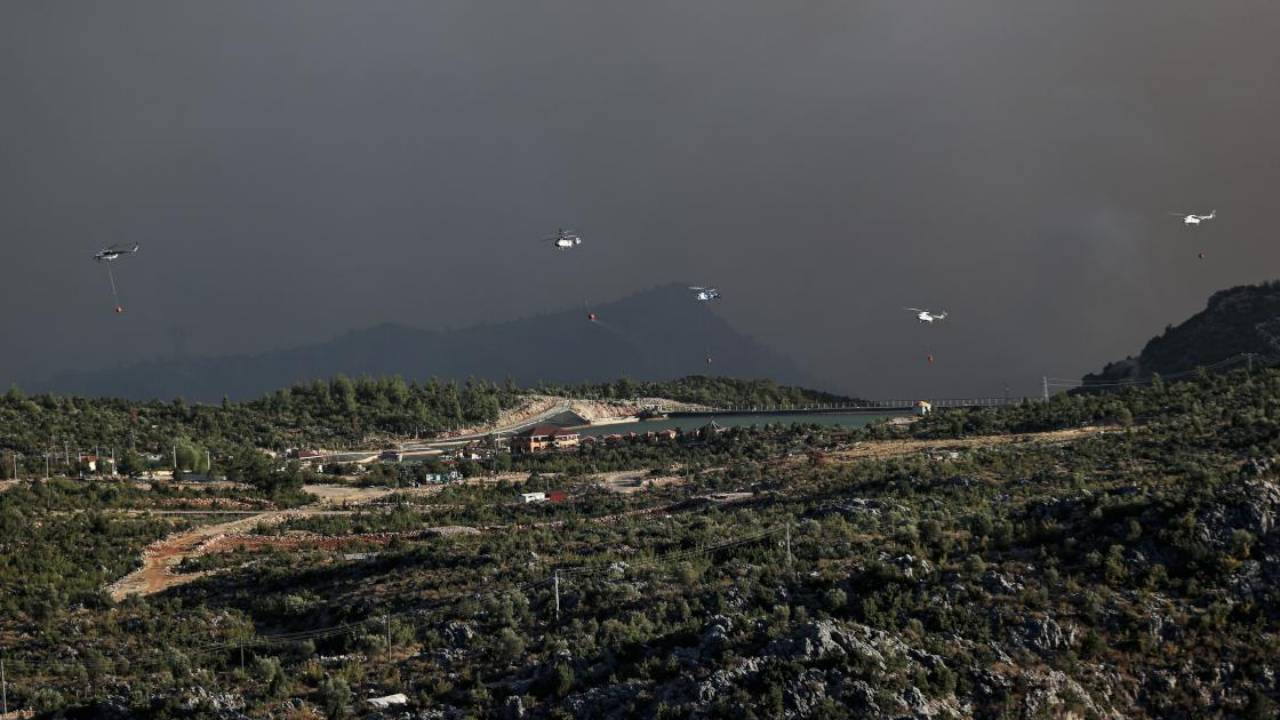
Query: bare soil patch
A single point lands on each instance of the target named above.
(881, 449)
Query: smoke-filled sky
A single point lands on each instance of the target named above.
(293, 170)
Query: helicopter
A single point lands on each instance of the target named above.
(113, 253)
(565, 239)
(110, 255)
(926, 316)
(705, 294)
(1193, 219)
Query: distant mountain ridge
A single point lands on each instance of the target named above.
(657, 334)
(1237, 322)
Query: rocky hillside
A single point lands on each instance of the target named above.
(1237, 322)
(1126, 569)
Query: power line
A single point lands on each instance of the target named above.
(1234, 360)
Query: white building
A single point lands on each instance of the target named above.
(533, 497)
(443, 477)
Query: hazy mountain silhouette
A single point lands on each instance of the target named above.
(656, 334)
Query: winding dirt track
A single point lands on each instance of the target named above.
(159, 559)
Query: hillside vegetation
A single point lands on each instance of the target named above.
(337, 413)
(1125, 569)
(703, 390)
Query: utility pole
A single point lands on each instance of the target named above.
(1044, 384)
(556, 583)
(15, 464)
(4, 689)
(46, 467)
(790, 566)
(386, 626)
(241, 654)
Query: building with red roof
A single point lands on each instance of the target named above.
(541, 438)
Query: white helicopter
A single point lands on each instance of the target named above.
(565, 240)
(705, 294)
(113, 253)
(1194, 219)
(926, 316)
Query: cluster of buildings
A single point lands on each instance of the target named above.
(545, 438)
(541, 438)
(411, 472)
(620, 438)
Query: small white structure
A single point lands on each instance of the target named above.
(533, 497)
(442, 478)
(383, 703)
(923, 407)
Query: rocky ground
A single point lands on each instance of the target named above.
(1087, 558)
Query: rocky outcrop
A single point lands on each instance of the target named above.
(603, 701)
(1252, 505)
(869, 658)
(1045, 636)
(715, 637)
(1052, 693)
(816, 640)
(459, 635)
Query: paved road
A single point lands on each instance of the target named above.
(504, 430)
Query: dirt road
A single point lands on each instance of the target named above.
(880, 449)
(159, 558)
(627, 482)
